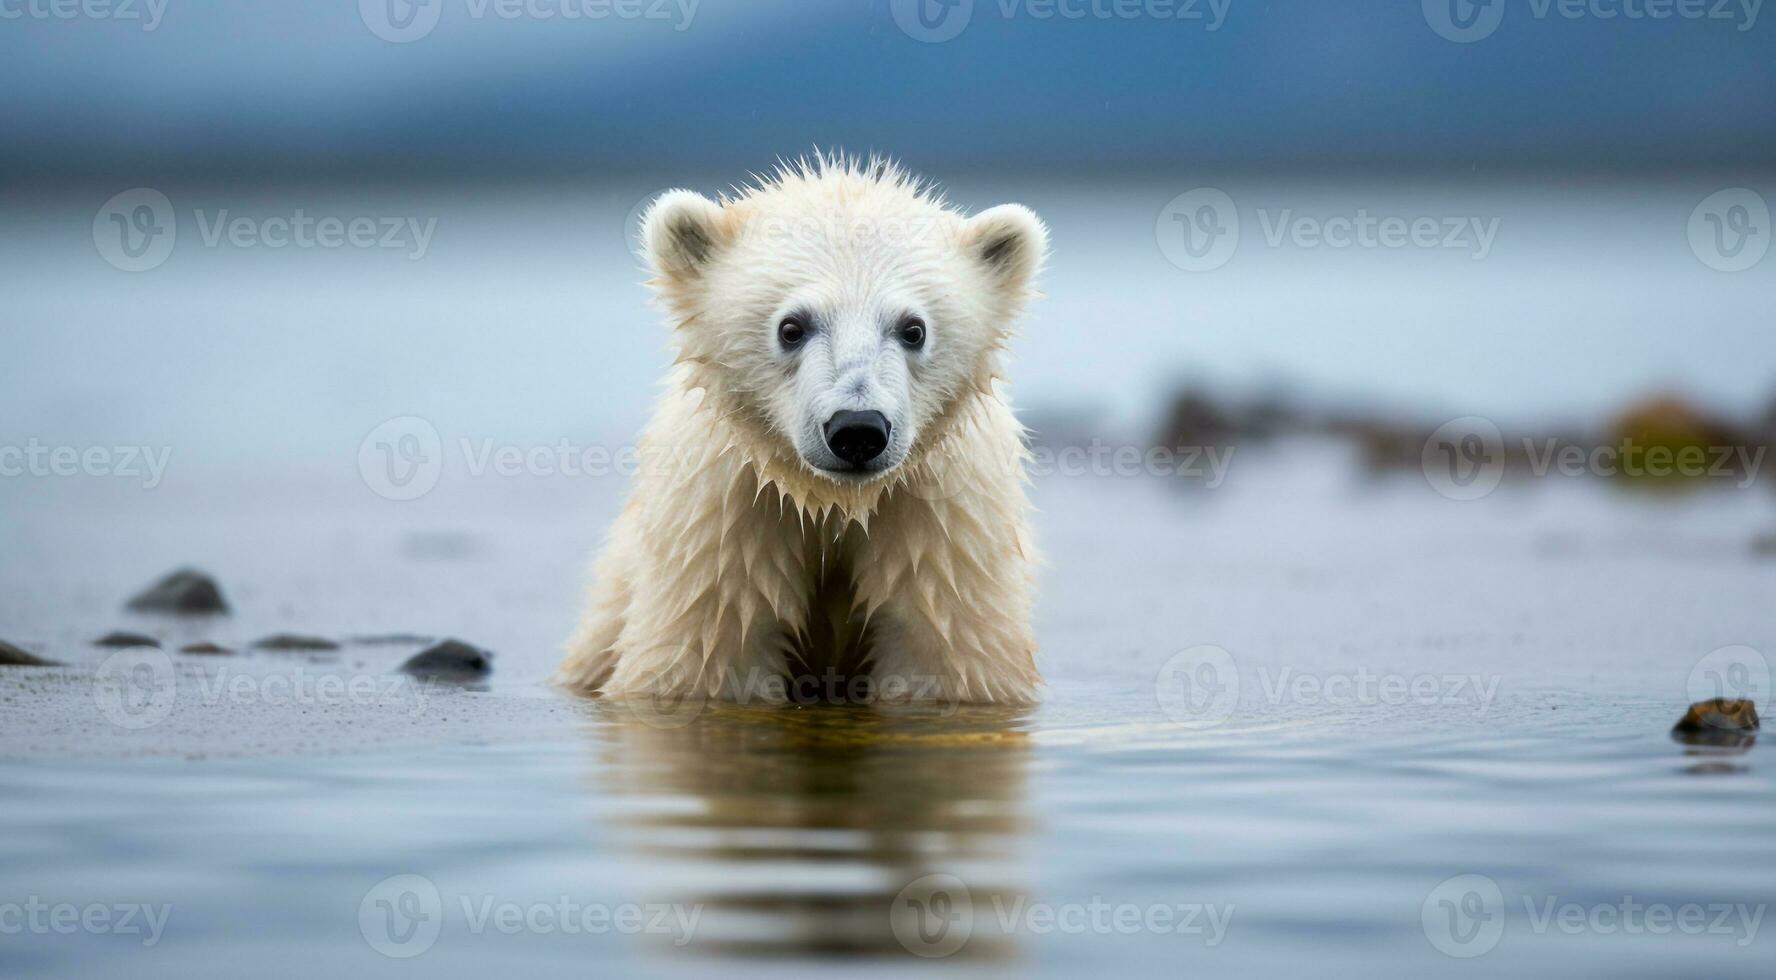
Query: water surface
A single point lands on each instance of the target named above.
(1309, 824)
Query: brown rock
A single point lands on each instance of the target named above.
(1719, 715)
(121, 639)
(11, 656)
(294, 641)
(450, 660)
(185, 591)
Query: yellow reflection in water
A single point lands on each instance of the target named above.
(830, 830)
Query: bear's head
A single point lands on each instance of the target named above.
(837, 313)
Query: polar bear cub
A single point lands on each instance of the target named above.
(830, 503)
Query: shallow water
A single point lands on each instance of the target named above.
(1423, 690)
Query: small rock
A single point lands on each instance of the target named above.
(294, 641)
(450, 660)
(11, 656)
(122, 639)
(205, 648)
(185, 591)
(391, 639)
(1719, 715)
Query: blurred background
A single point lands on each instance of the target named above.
(513, 142)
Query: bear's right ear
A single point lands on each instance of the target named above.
(1010, 243)
(682, 230)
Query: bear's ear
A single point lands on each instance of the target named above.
(1010, 243)
(682, 230)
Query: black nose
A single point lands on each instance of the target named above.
(857, 437)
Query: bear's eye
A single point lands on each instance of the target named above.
(912, 332)
(792, 331)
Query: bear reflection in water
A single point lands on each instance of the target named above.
(819, 830)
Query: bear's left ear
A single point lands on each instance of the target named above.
(1010, 243)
